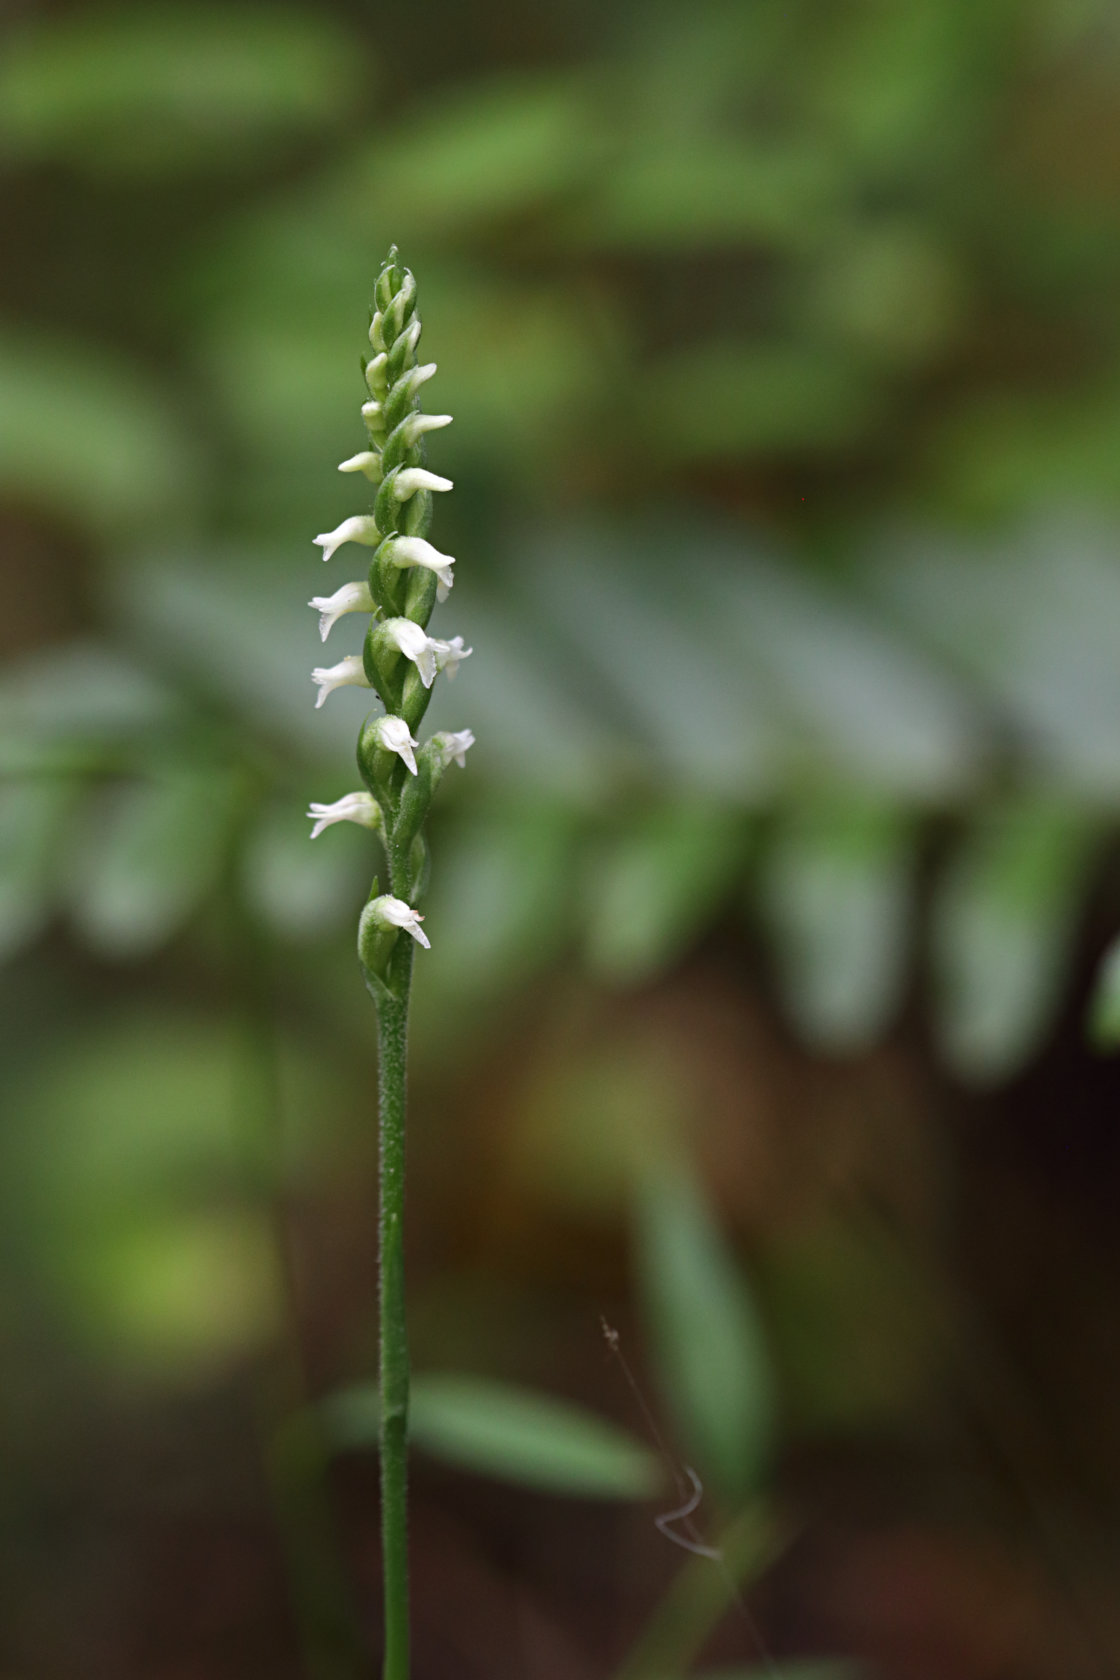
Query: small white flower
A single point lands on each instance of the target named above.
(412, 479)
(389, 912)
(376, 377)
(367, 462)
(415, 425)
(453, 744)
(417, 551)
(450, 655)
(370, 412)
(360, 529)
(352, 807)
(427, 653)
(412, 336)
(391, 733)
(352, 597)
(348, 671)
(375, 329)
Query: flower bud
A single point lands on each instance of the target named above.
(411, 479)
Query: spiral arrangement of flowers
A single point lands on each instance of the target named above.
(400, 661)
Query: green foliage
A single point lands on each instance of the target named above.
(496, 1429)
(704, 1327)
(171, 87)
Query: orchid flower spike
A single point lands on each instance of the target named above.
(360, 529)
(348, 671)
(392, 734)
(417, 551)
(352, 807)
(387, 912)
(352, 597)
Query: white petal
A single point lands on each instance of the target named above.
(394, 912)
(348, 671)
(450, 655)
(393, 734)
(375, 374)
(418, 551)
(360, 528)
(352, 597)
(412, 479)
(352, 807)
(368, 461)
(416, 645)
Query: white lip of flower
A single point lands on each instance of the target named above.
(352, 807)
(368, 461)
(418, 551)
(427, 653)
(412, 479)
(394, 912)
(392, 734)
(370, 412)
(454, 744)
(360, 528)
(348, 671)
(415, 425)
(352, 597)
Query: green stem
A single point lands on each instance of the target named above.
(392, 1018)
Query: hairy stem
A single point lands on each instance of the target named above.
(393, 1364)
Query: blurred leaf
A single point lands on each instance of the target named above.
(1104, 1004)
(1004, 918)
(489, 149)
(167, 88)
(893, 290)
(654, 888)
(707, 1339)
(714, 194)
(33, 815)
(742, 397)
(701, 1595)
(71, 703)
(496, 1429)
(835, 893)
(88, 437)
(1000, 452)
(147, 855)
(502, 895)
(305, 890)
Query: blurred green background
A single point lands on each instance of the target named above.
(783, 341)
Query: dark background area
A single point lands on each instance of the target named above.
(769, 1004)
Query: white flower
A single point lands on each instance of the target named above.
(352, 807)
(412, 336)
(348, 671)
(376, 377)
(450, 655)
(387, 912)
(412, 479)
(427, 653)
(375, 329)
(453, 744)
(368, 461)
(417, 551)
(370, 412)
(360, 529)
(415, 425)
(352, 597)
(391, 734)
